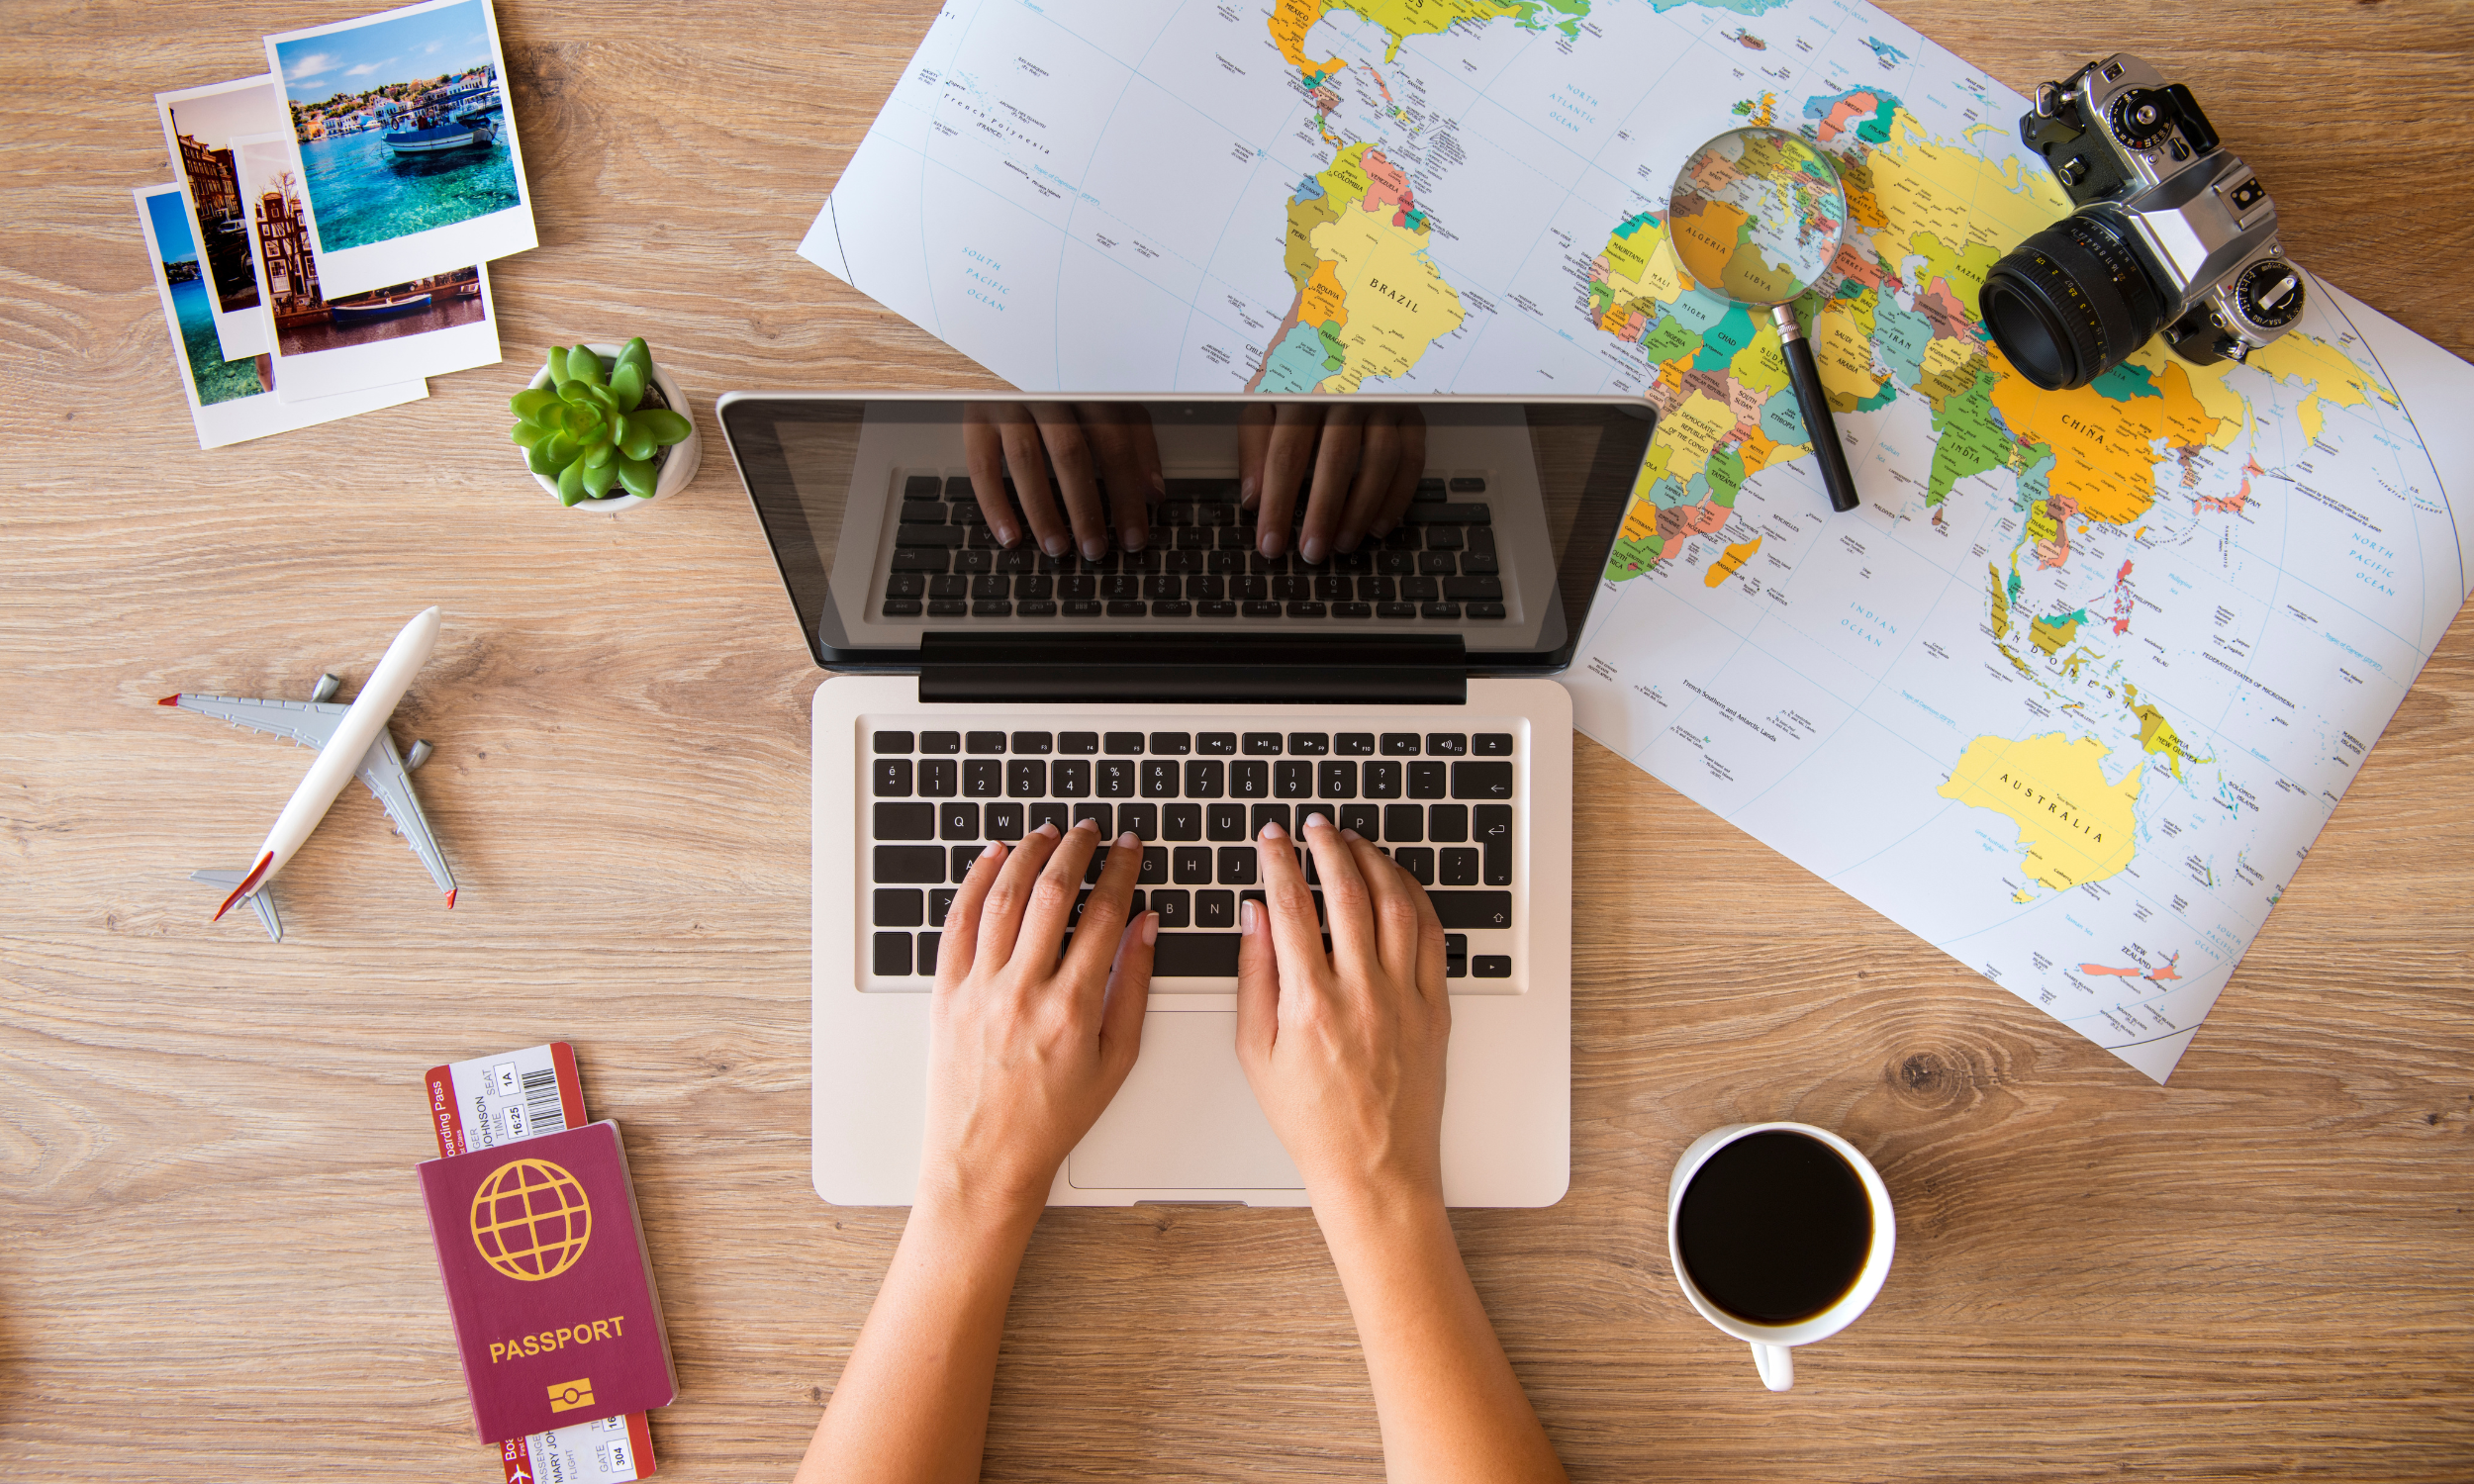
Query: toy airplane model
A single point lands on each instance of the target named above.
(351, 742)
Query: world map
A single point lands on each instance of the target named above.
(2072, 692)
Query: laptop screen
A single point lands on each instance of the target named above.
(896, 517)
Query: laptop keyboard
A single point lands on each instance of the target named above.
(1201, 562)
(1443, 804)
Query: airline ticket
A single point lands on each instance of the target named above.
(503, 1099)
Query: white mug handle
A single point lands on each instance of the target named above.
(1776, 1364)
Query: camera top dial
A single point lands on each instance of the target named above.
(2269, 294)
(2142, 118)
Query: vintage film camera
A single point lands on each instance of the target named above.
(2171, 233)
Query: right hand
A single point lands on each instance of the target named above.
(1345, 1051)
(1365, 462)
(1089, 444)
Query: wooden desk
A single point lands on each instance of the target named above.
(212, 1261)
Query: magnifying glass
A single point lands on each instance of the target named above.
(1757, 216)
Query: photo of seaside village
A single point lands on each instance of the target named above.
(305, 321)
(215, 185)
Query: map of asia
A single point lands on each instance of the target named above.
(2073, 692)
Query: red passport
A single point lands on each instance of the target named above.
(548, 1281)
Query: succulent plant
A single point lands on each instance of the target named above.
(589, 431)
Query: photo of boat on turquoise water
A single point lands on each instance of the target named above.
(216, 379)
(401, 125)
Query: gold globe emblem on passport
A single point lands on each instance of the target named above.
(531, 1220)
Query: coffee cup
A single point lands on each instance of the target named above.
(1781, 1235)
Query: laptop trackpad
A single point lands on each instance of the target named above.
(1185, 1120)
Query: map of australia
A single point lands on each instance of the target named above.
(2098, 663)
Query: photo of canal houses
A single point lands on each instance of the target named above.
(230, 401)
(425, 325)
(404, 144)
(199, 127)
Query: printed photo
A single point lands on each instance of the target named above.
(199, 127)
(230, 401)
(404, 144)
(424, 327)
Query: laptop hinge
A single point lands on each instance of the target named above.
(1403, 671)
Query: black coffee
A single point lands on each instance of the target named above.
(1774, 1228)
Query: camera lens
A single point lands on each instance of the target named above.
(2071, 303)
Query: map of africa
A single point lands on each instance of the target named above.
(2073, 692)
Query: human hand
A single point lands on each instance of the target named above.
(1026, 1047)
(1089, 444)
(1345, 1051)
(1365, 462)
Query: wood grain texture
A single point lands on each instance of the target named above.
(212, 1261)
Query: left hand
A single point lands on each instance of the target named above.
(1360, 463)
(1026, 1046)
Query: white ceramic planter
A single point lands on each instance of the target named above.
(677, 466)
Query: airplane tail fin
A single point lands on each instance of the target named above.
(263, 902)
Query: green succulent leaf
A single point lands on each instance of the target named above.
(628, 383)
(636, 440)
(599, 452)
(667, 427)
(637, 351)
(602, 396)
(538, 461)
(597, 479)
(531, 401)
(560, 448)
(585, 366)
(559, 365)
(571, 484)
(528, 434)
(574, 393)
(636, 475)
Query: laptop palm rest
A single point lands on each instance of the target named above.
(1185, 1120)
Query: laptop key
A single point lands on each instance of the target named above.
(1353, 610)
(1181, 821)
(1355, 744)
(1495, 838)
(1446, 745)
(1176, 908)
(1082, 609)
(1227, 822)
(1439, 610)
(1191, 866)
(918, 864)
(1195, 956)
(1494, 744)
(963, 856)
(1142, 818)
(1172, 744)
(1040, 814)
(1306, 610)
(983, 778)
(900, 906)
(907, 584)
(922, 487)
(1473, 910)
(1079, 744)
(1382, 780)
(941, 902)
(1002, 822)
(1159, 778)
(1488, 611)
(940, 742)
(1472, 590)
(1100, 814)
(1428, 781)
(906, 821)
(1482, 780)
(893, 777)
(1262, 744)
(928, 535)
(1124, 744)
(1209, 744)
(1216, 909)
(1337, 780)
(1249, 777)
(892, 955)
(922, 513)
(1155, 866)
(1070, 777)
(1404, 823)
(1395, 610)
(1366, 820)
(1309, 744)
(1401, 744)
(1292, 779)
(1418, 861)
(1204, 778)
(1026, 778)
(928, 954)
(1263, 814)
(958, 821)
(1237, 866)
(1117, 777)
(938, 777)
(1262, 609)
(990, 586)
(1448, 824)
(948, 607)
(917, 559)
(986, 608)
(1215, 611)
(1460, 867)
(901, 608)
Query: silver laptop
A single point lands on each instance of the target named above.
(1189, 693)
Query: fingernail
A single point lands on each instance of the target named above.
(1245, 916)
(1095, 548)
(1056, 545)
(1311, 820)
(1311, 548)
(1049, 828)
(1273, 831)
(1006, 535)
(1151, 927)
(1159, 485)
(1350, 835)
(1247, 489)
(1130, 838)
(1091, 825)
(1274, 542)
(1135, 538)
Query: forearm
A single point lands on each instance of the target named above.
(911, 1405)
(1445, 1396)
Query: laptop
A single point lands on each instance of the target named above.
(1189, 692)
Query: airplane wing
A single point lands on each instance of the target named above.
(308, 722)
(382, 768)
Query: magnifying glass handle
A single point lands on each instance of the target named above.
(1815, 405)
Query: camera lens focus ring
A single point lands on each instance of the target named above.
(2071, 303)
